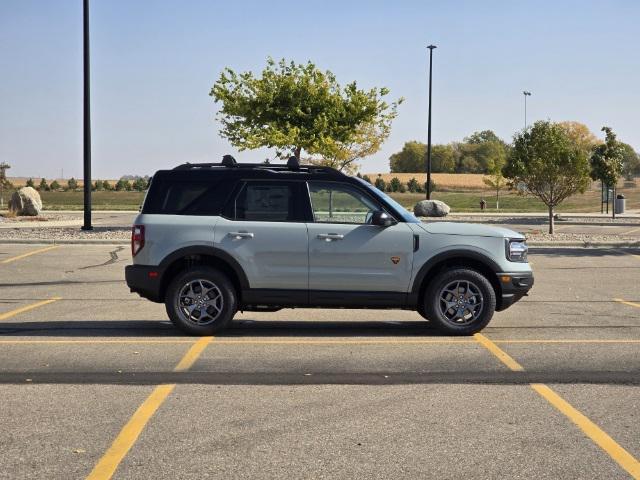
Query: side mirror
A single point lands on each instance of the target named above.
(382, 219)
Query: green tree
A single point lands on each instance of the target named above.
(139, 184)
(72, 184)
(97, 186)
(55, 186)
(294, 107)
(44, 186)
(106, 185)
(366, 178)
(395, 184)
(410, 159)
(413, 185)
(630, 161)
(495, 180)
(30, 183)
(580, 135)
(485, 148)
(546, 164)
(380, 184)
(443, 159)
(606, 161)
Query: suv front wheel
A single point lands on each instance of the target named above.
(459, 301)
(201, 301)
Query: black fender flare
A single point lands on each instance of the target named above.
(209, 251)
(446, 255)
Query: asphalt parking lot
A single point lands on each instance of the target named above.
(95, 382)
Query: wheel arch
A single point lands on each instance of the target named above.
(187, 257)
(451, 259)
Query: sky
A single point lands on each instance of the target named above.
(154, 61)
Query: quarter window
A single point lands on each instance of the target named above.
(339, 203)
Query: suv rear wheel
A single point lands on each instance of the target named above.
(459, 301)
(201, 301)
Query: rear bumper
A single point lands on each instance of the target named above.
(144, 280)
(514, 286)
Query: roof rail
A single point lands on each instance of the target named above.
(290, 167)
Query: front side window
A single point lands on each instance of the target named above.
(340, 203)
(266, 202)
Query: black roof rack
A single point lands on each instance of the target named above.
(229, 162)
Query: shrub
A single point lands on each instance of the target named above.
(106, 185)
(433, 186)
(43, 187)
(30, 183)
(54, 185)
(380, 184)
(367, 179)
(72, 184)
(413, 185)
(394, 184)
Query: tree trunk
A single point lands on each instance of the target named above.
(551, 220)
(297, 152)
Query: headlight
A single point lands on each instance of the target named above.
(517, 250)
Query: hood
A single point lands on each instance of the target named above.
(470, 229)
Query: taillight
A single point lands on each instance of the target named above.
(137, 239)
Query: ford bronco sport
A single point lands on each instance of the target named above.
(212, 239)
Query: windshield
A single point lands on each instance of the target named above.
(406, 216)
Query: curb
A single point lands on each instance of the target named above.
(583, 244)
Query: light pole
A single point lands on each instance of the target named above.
(526, 94)
(86, 118)
(430, 47)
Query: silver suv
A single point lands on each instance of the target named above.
(212, 239)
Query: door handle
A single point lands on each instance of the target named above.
(239, 235)
(329, 237)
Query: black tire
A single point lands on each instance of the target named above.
(480, 289)
(217, 314)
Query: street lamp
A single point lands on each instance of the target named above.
(430, 47)
(86, 118)
(526, 94)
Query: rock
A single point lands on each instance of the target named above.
(431, 208)
(26, 201)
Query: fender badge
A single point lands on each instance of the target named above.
(395, 260)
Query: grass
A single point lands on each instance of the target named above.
(99, 200)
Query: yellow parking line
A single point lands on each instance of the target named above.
(107, 465)
(92, 342)
(631, 304)
(571, 341)
(192, 355)
(591, 430)
(28, 254)
(595, 433)
(498, 352)
(339, 342)
(26, 308)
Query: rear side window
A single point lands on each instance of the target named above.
(184, 197)
(267, 202)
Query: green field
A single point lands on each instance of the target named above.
(464, 201)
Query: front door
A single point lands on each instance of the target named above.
(346, 252)
(264, 230)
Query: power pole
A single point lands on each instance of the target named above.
(430, 47)
(86, 118)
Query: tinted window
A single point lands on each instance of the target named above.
(186, 197)
(266, 202)
(340, 203)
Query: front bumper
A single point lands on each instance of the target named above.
(513, 287)
(144, 280)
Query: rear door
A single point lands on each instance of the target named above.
(346, 252)
(263, 228)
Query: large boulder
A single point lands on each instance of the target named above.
(26, 201)
(431, 208)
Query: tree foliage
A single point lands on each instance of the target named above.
(297, 107)
(475, 154)
(72, 184)
(545, 163)
(630, 161)
(580, 135)
(606, 159)
(55, 186)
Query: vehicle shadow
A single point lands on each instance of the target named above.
(238, 328)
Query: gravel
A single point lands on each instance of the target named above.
(69, 233)
(47, 217)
